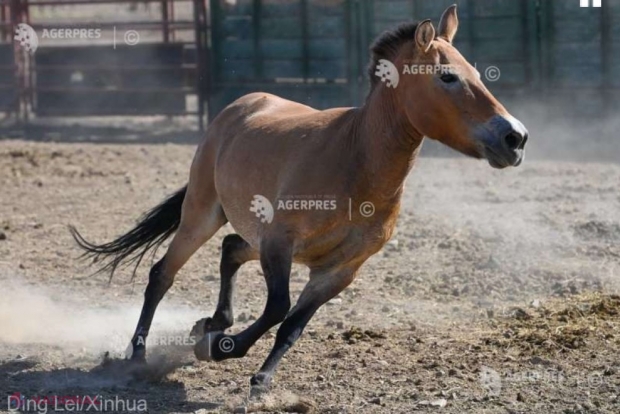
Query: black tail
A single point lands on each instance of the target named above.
(151, 231)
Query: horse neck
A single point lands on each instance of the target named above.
(389, 143)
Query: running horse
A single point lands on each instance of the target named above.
(262, 148)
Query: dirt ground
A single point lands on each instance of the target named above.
(497, 294)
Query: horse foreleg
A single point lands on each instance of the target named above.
(323, 286)
(276, 260)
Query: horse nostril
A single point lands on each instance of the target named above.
(524, 141)
(514, 140)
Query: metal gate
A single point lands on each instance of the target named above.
(153, 76)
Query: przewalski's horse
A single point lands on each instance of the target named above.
(265, 147)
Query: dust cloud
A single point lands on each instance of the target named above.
(33, 314)
(558, 134)
(553, 220)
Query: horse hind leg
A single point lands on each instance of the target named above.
(199, 222)
(235, 252)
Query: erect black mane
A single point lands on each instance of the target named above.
(386, 46)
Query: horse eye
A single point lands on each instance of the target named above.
(448, 78)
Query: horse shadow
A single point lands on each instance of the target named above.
(114, 385)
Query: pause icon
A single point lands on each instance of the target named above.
(595, 3)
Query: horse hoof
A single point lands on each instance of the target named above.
(135, 357)
(205, 347)
(198, 330)
(257, 392)
(137, 360)
(206, 325)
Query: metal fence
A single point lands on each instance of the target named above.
(135, 75)
(316, 51)
(313, 51)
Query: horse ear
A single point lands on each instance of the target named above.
(424, 35)
(449, 24)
